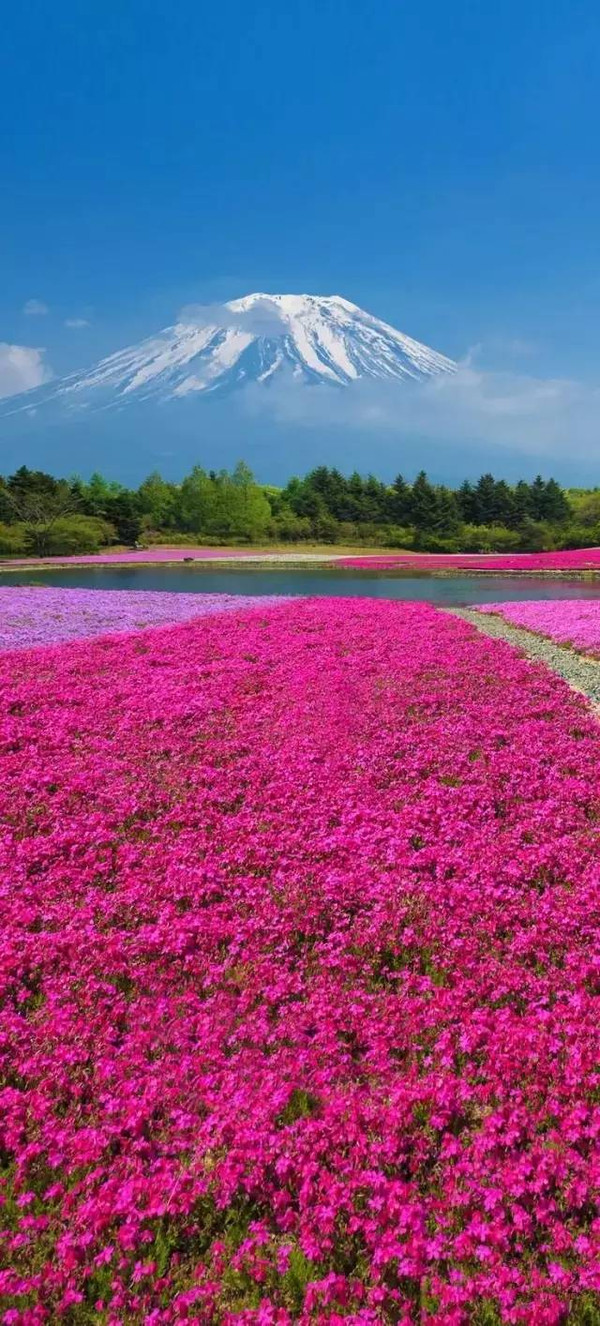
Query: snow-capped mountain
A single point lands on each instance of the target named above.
(316, 339)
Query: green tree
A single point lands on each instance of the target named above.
(555, 504)
(38, 508)
(12, 540)
(484, 500)
(122, 510)
(423, 503)
(98, 493)
(354, 503)
(32, 484)
(287, 527)
(537, 536)
(78, 534)
(242, 510)
(375, 500)
(158, 501)
(254, 509)
(537, 496)
(447, 517)
(503, 503)
(585, 507)
(197, 502)
(521, 504)
(488, 538)
(465, 498)
(399, 501)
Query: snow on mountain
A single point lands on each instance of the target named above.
(317, 339)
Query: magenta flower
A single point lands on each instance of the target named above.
(574, 559)
(299, 974)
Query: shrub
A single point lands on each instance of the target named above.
(73, 534)
(488, 538)
(12, 540)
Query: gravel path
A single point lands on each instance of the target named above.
(580, 672)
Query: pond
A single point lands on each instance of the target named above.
(311, 580)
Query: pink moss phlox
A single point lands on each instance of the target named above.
(36, 615)
(158, 554)
(575, 559)
(299, 975)
(569, 621)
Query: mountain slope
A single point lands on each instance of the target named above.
(317, 339)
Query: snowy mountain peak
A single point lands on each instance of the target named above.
(292, 305)
(314, 338)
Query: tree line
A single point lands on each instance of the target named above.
(45, 515)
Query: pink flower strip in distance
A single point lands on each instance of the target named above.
(178, 553)
(579, 559)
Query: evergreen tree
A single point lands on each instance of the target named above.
(302, 499)
(336, 496)
(98, 493)
(374, 500)
(423, 503)
(329, 484)
(355, 497)
(484, 500)
(447, 518)
(503, 504)
(399, 500)
(521, 502)
(537, 496)
(7, 511)
(27, 483)
(556, 506)
(465, 498)
(122, 510)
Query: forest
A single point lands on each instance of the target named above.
(44, 515)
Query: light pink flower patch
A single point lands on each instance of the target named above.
(299, 974)
(162, 554)
(43, 615)
(569, 621)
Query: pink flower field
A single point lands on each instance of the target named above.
(299, 976)
(579, 559)
(142, 555)
(573, 622)
(44, 615)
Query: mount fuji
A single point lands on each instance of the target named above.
(314, 339)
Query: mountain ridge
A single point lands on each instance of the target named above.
(319, 339)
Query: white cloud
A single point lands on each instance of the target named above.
(263, 319)
(21, 368)
(77, 322)
(472, 407)
(35, 308)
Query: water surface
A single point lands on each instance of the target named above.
(311, 580)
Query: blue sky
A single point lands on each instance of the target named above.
(436, 164)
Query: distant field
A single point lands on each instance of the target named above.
(574, 560)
